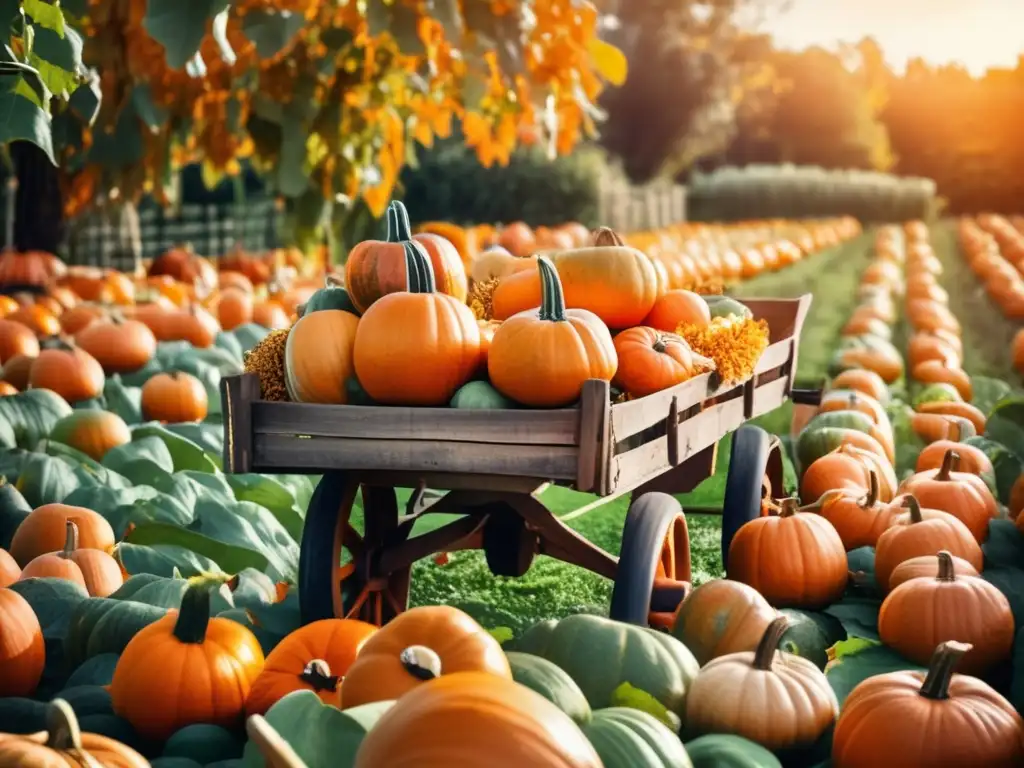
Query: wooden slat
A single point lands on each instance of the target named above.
(526, 427)
(594, 447)
(769, 396)
(775, 356)
(637, 415)
(237, 395)
(320, 454)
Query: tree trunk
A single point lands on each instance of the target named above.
(39, 223)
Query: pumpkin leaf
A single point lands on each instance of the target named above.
(501, 634)
(52, 600)
(208, 435)
(215, 484)
(321, 735)
(163, 559)
(1004, 547)
(45, 480)
(858, 615)
(204, 743)
(184, 453)
(1007, 465)
(1009, 581)
(628, 695)
(228, 558)
(136, 379)
(988, 393)
(86, 468)
(279, 618)
(99, 670)
(27, 417)
(139, 459)
(243, 525)
(123, 400)
(810, 634)
(159, 508)
(254, 589)
(859, 662)
(1005, 425)
(271, 494)
(13, 509)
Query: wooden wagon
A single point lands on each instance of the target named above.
(492, 465)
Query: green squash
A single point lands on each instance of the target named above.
(480, 395)
(249, 335)
(938, 393)
(13, 509)
(88, 700)
(551, 682)
(102, 625)
(812, 444)
(135, 583)
(21, 716)
(601, 654)
(229, 343)
(726, 306)
(99, 670)
(27, 417)
(166, 593)
(322, 736)
(203, 743)
(847, 419)
(811, 634)
(722, 750)
(117, 728)
(628, 738)
(331, 296)
(46, 480)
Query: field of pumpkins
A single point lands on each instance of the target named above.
(872, 615)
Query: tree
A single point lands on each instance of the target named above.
(326, 98)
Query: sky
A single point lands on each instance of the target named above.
(977, 33)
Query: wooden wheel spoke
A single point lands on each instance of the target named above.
(344, 571)
(353, 542)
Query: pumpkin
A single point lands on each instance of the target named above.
(926, 346)
(64, 744)
(332, 296)
(91, 432)
(10, 571)
(501, 724)
(848, 468)
(480, 395)
(314, 657)
(227, 278)
(45, 530)
(16, 371)
(192, 324)
(543, 358)
(418, 645)
(74, 320)
(22, 653)
(720, 617)
(972, 459)
(552, 682)
(678, 307)
(926, 566)
(763, 555)
(922, 613)
(270, 314)
(119, 345)
(38, 319)
(812, 444)
(496, 263)
(517, 238)
(318, 357)
(7, 389)
(937, 393)
(182, 265)
(69, 371)
(629, 738)
(601, 654)
(861, 422)
(234, 307)
(724, 750)
(936, 372)
(650, 361)
(206, 668)
(851, 400)
(376, 268)
(933, 427)
(726, 306)
(961, 409)
(173, 398)
(964, 720)
(872, 353)
(96, 571)
(774, 698)
(613, 281)
(921, 531)
(858, 519)
(961, 494)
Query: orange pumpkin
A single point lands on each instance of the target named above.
(961, 494)
(206, 668)
(858, 519)
(69, 371)
(74, 320)
(543, 358)
(676, 308)
(722, 616)
(91, 432)
(419, 645)
(173, 398)
(927, 346)
(849, 467)
(192, 324)
(318, 357)
(45, 530)
(921, 531)
(22, 653)
(517, 238)
(650, 361)
(118, 345)
(10, 572)
(416, 347)
(862, 380)
(94, 570)
(966, 721)
(16, 339)
(925, 567)
(963, 410)
(38, 319)
(972, 459)
(936, 372)
(315, 657)
(270, 314)
(464, 239)
(760, 555)
(376, 268)
(234, 306)
(181, 264)
(922, 613)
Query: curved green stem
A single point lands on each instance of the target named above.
(194, 614)
(419, 272)
(552, 299)
(399, 228)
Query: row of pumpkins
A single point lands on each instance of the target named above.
(994, 249)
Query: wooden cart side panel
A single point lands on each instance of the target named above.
(237, 395)
(785, 317)
(595, 449)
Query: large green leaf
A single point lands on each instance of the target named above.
(858, 659)
(86, 468)
(125, 401)
(858, 615)
(248, 526)
(164, 559)
(184, 453)
(52, 601)
(229, 556)
(208, 435)
(58, 59)
(179, 27)
(46, 17)
(1006, 425)
(989, 392)
(271, 494)
(1007, 465)
(148, 450)
(27, 417)
(46, 480)
(271, 31)
(1009, 581)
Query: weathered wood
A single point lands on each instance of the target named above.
(237, 394)
(593, 435)
(635, 416)
(321, 454)
(520, 426)
(683, 478)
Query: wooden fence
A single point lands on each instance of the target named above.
(628, 208)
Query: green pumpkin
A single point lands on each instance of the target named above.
(46, 480)
(551, 682)
(480, 395)
(628, 738)
(249, 335)
(601, 654)
(104, 625)
(723, 750)
(811, 445)
(166, 593)
(321, 735)
(88, 700)
(99, 670)
(229, 343)
(116, 728)
(27, 417)
(22, 716)
(811, 634)
(13, 509)
(203, 743)
(331, 296)
(726, 306)
(938, 393)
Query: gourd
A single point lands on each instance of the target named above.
(858, 519)
(45, 530)
(318, 357)
(96, 571)
(480, 395)
(724, 750)
(961, 494)
(332, 296)
(91, 432)
(628, 738)
(550, 681)
(721, 617)
(22, 653)
(725, 306)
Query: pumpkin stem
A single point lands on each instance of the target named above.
(62, 731)
(421, 662)
(70, 540)
(317, 673)
(606, 236)
(659, 345)
(399, 228)
(872, 498)
(788, 507)
(552, 301)
(333, 281)
(955, 431)
(911, 503)
(194, 614)
(940, 669)
(950, 463)
(275, 750)
(419, 272)
(765, 653)
(946, 570)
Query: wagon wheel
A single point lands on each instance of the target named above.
(654, 562)
(755, 480)
(337, 564)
